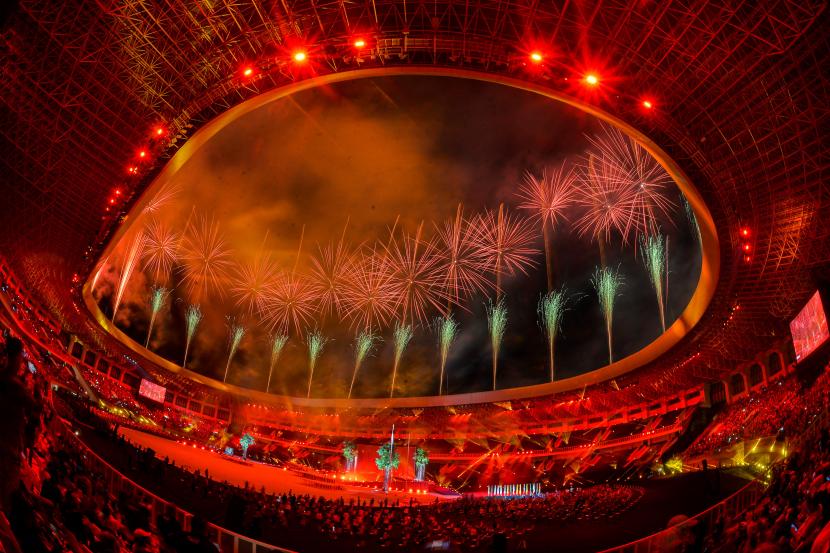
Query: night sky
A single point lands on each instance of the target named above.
(371, 150)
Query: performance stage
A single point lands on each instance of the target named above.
(274, 479)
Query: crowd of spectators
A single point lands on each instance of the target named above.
(761, 413)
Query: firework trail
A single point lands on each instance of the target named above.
(157, 299)
(235, 334)
(371, 297)
(98, 273)
(331, 270)
(161, 249)
(193, 317)
(363, 344)
(253, 283)
(464, 270)
(316, 343)
(417, 273)
(504, 243)
(496, 324)
(547, 199)
(402, 335)
(206, 258)
(609, 202)
(131, 258)
(552, 307)
(447, 330)
(289, 302)
(607, 282)
(278, 342)
(640, 171)
(655, 261)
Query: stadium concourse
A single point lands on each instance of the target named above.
(383, 275)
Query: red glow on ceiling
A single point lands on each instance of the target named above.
(248, 71)
(648, 104)
(536, 57)
(300, 56)
(359, 43)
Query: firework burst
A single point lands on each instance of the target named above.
(463, 268)
(417, 273)
(447, 330)
(161, 250)
(552, 307)
(371, 296)
(252, 284)
(655, 261)
(164, 196)
(504, 243)
(547, 199)
(607, 283)
(278, 342)
(331, 270)
(640, 171)
(206, 258)
(289, 303)
(235, 334)
(609, 202)
(193, 316)
(316, 343)
(157, 298)
(131, 257)
(363, 344)
(496, 324)
(402, 335)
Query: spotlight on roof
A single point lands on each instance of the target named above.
(536, 57)
(591, 79)
(142, 154)
(647, 104)
(248, 71)
(359, 43)
(299, 56)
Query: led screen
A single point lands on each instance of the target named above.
(809, 328)
(152, 391)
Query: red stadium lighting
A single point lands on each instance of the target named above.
(745, 232)
(159, 131)
(647, 104)
(142, 154)
(299, 56)
(359, 43)
(591, 79)
(747, 247)
(536, 57)
(248, 71)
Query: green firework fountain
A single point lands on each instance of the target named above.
(551, 308)
(192, 317)
(654, 259)
(690, 216)
(316, 343)
(447, 330)
(278, 342)
(236, 333)
(363, 344)
(403, 334)
(607, 282)
(157, 299)
(497, 324)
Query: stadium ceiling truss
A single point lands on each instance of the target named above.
(741, 93)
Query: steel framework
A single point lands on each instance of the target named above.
(741, 92)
